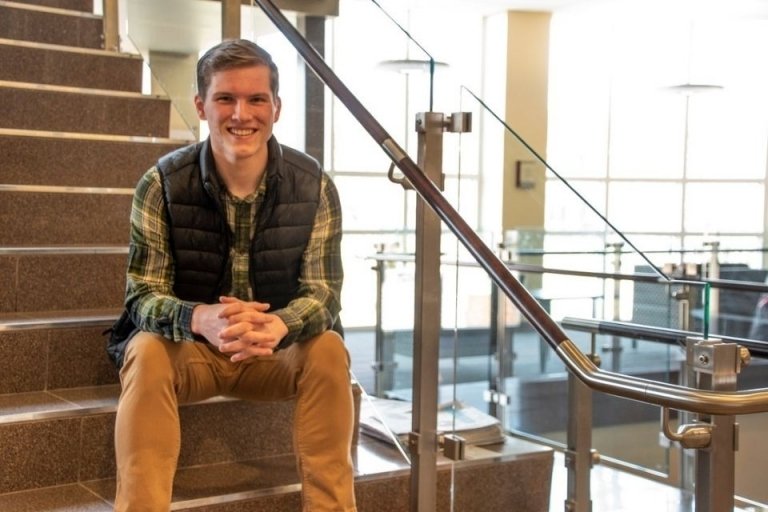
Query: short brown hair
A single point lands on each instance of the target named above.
(234, 53)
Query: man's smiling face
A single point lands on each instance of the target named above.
(241, 111)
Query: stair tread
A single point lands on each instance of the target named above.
(17, 407)
(69, 402)
(231, 482)
(70, 49)
(68, 89)
(47, 319)
(130, 139)
(47, 9)
(63, 498)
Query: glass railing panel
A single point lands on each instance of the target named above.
(168, 37)
(581, 258)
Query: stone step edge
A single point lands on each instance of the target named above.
(68, 189)
(19, 132)
(237, 497)
(66, 89)
(61, 250)
(108, 406)
(69, 49)
(58, 320)
(49, 10)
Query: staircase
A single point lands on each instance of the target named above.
(75, 136)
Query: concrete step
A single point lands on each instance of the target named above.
(69, 66)
(61, 216)
(514, 475)
(42, 24)
(74, 5)
(34, 280)
(62, 437)
(69, 109)
(77, 160)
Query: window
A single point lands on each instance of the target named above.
(691, 165)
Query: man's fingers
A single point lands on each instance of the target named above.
(253, 317)
(242, 350)
(258, 306)
(242, 334)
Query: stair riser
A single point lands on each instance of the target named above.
(52, 28)
(71, 69)
(40, 359)
(57, 452)
(41, 218)
(86, 113)
(75, 5)
(76, 162)
(34, 283)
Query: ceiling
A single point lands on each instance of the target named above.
(159, 25)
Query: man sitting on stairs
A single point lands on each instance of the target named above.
(233, 286)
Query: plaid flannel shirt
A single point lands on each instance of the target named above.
(150, 276)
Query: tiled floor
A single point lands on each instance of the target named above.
(617, 491)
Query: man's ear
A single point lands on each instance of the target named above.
(199, 107)
(278, 107)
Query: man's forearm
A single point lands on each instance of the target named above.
(162, 314)
(305, 318)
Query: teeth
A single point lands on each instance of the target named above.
(236, 131)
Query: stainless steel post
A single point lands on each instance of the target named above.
(716, 366)
(713, 272)
(384, 365)
(426, 332)
(423, 441)
(615, 348)
(500, 348)
(579, 456)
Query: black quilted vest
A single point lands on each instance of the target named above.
(200, 237)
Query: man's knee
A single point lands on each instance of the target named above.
(328, 348)
(147, 357)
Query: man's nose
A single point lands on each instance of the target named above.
(241, 110)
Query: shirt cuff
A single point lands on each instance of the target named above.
(182, 326)
(294, 323)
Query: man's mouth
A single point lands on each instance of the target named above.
(241, 132)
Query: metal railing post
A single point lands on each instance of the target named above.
(713, 272)
(501, 346)
(423, 440)
(716, 366)
(384, 365)
(579, 457)
(426, 332)
(615, 347)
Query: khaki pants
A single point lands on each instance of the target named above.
(158, 375)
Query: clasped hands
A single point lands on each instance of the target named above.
(242, 329)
